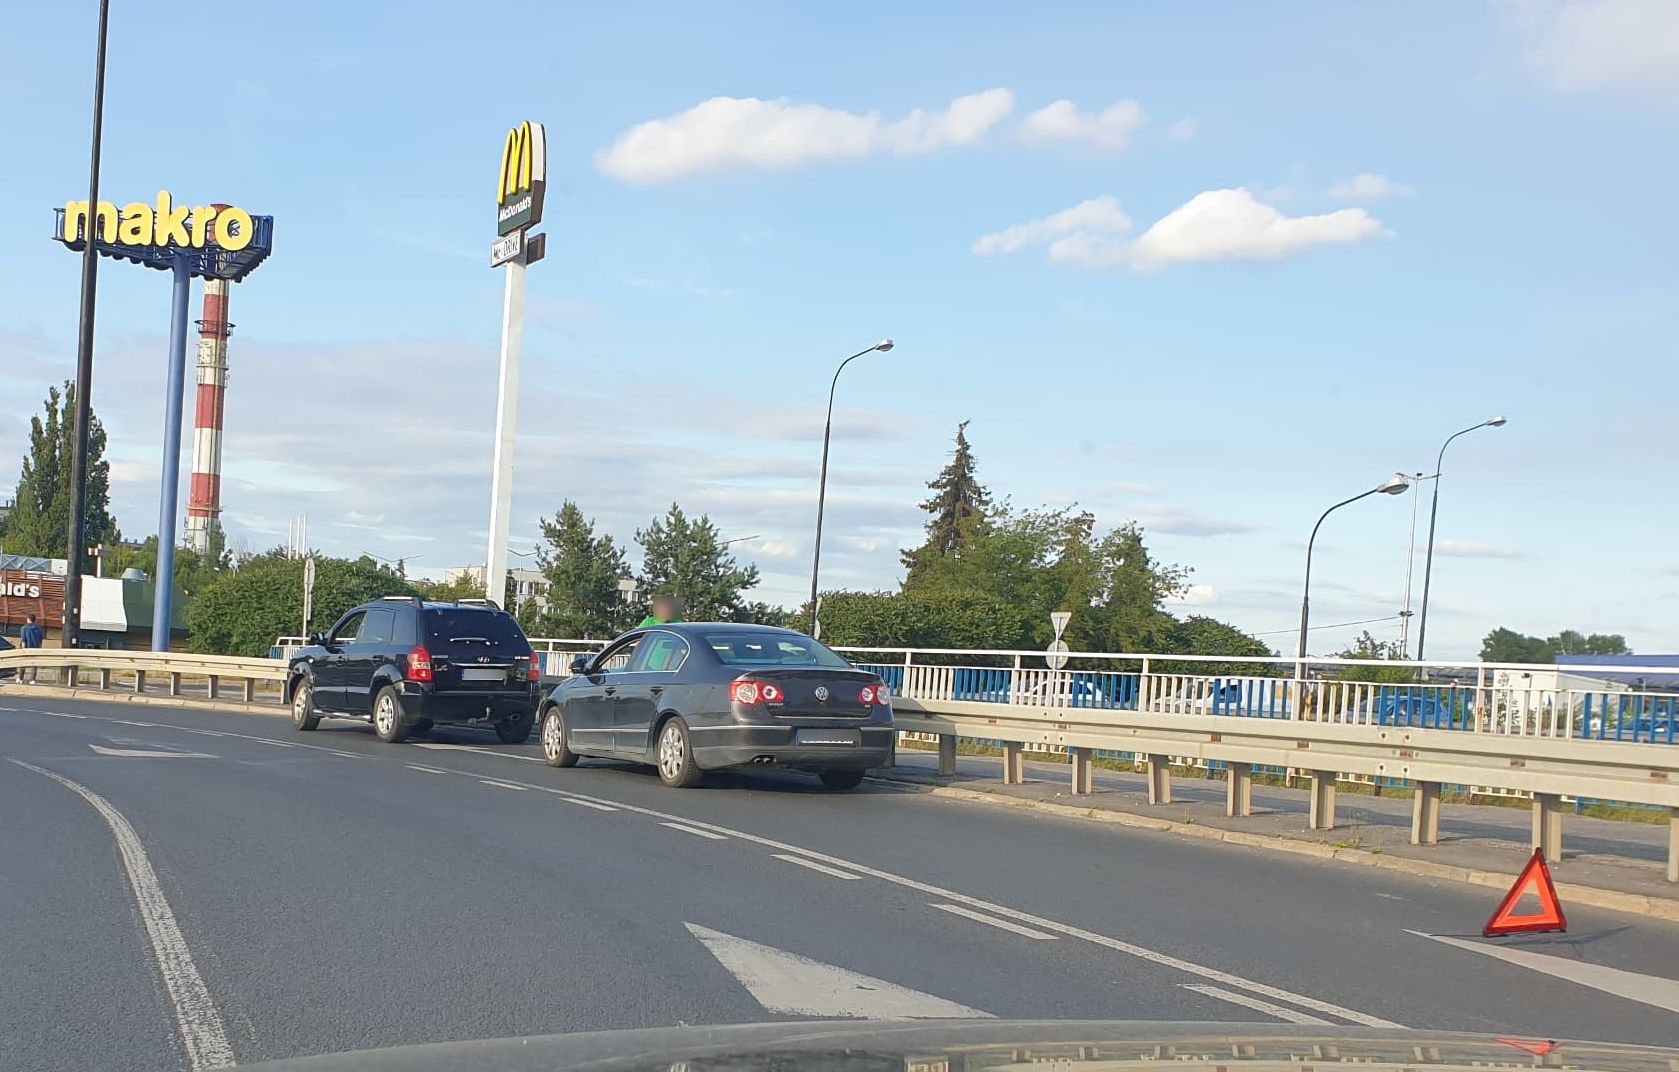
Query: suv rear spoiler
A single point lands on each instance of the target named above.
(492, 604)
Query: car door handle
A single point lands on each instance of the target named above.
(611, 689)
(656, 689)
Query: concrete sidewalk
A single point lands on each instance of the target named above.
(1608, 863)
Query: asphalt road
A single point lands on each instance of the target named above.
(330, 892)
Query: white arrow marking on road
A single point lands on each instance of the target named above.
(788, 983)
(1649, 989)
(147, 753)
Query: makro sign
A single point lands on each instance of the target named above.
(161, 226)
(524, 177)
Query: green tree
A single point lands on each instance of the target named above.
(1200, 635)
(958, 508)
(463, 585)
(684, 557)
(583, 571)
(921, 619)
(193, 570)
(39, 520)
(1570, 642)
(1368, 647)
(1128, 604)
(242, 611)
(1508, 646)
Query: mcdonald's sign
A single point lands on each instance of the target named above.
(524, 176)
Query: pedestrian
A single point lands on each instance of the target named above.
(33, 636)
(666, 609)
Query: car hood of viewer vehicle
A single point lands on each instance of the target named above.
(974, 1045)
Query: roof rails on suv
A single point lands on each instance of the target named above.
(415, 600)
(492, 604)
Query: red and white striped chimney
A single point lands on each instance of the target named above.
(204, 501)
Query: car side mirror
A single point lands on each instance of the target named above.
(317, 640)
(580, 664)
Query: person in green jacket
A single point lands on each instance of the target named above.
(666, 609)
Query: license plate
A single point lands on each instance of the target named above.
(478, 673)
(829, 737)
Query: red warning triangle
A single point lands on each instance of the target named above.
(1533, 1046)
(1536, 879)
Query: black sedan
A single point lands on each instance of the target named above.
(693, 697)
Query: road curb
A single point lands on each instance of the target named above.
(60, 692)
(1615, 900)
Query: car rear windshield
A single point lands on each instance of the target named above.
(469, 626)
(768, 649)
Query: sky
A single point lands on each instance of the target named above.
(1210, 267)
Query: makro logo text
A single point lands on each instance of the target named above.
(165, 224)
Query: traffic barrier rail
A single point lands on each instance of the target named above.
(175, 674)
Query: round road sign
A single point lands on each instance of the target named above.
(1056, 655)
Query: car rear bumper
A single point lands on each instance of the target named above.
(742, 746)
(420, 702)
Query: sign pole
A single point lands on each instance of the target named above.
(507, 419)
(163, 602)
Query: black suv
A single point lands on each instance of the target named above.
(404, 664)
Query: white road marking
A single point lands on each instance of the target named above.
(788, 983)
(1249, 1002)
(205, 733)
(200, 1025)
(344, 755)
(126, 722)
(1649, 989)
(281, 744)
(1165, 960)
(503, 785)
(54, 714)
(1000, 924)
(428, 770)
(474, 748)
(147, 753)
(696, 831)
(588, 804)
(814, 866)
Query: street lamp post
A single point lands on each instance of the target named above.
(1433, 511)
(81, 417)
(822, 484)
(1393, 485)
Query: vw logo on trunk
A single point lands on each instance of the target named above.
(822, 693)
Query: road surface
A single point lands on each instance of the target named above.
(196, 886)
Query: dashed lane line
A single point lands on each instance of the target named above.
(1247, 1001)
(196, 1017)
(696, 831)
(504, 785)
(992, 921)
(832, 872)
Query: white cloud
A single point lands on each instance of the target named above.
(726, 133)
(1217, 225)
(1471, 549)
(1098, 216)
(1110, 129)
(1368, 186)
(1175, 521)
(1182, 130)
(1629, 46)
(1196, 595)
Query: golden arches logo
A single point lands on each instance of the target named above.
(524, 161)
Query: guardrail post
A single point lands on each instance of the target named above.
(174, 683)
(1238, 803)
(250, 690)
(1673, 844)
(1322, 810)
(72, 677)
(215, 687)
(1084, 777)
(139, 681)
(104, 677)
(947, 753)
(1425, 814)
(1547, 825)
(1159, 779)
(1014, 763)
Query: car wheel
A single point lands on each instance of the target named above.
(419, 727)
(675, 757)
(841, 779)
(515, 730)
(387, 716)
(303, 716)
(555, 751)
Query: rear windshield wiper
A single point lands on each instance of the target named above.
(465, 639)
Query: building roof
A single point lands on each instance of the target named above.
(1609, 668)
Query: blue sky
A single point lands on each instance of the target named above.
(1289, 334)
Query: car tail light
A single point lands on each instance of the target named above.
(419, 665)
(770, 693)
(534, 674)
(874, 696)
(743, 692)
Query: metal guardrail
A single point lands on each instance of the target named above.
(143, 672)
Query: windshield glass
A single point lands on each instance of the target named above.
(771, 649)
(467, 625)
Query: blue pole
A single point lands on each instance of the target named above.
(163, 604)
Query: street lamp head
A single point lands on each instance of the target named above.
(1497, 422)
(1394, 485)
(886, 344)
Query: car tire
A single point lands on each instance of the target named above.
(389, 725)
(841, 779)
(515, 730)
(420, 728)
(674, 756)
(303, 716)
(555, 751)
